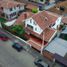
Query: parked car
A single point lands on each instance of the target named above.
(17, 46)
(40, 63)
(3, 37)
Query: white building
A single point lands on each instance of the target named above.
(10, 9)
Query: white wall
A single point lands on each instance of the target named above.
(39, 1)
(57, 22)
(34, 24)
(16, 9)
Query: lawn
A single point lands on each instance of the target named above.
(2, 20)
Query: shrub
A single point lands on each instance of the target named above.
(34, 10)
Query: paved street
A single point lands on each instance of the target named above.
(9, 57)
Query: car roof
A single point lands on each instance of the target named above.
(43, 63)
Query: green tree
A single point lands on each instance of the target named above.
(34, 10)
(18, 30)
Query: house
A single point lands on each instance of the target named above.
(10, 9)
(43, 1)
(60, 8)
(38, 27)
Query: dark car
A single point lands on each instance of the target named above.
(3, 37)
(17, 46)
(40, 63)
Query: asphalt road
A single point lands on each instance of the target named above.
(9, 57)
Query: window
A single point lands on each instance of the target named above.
(34, 23)
(10, 9)
(30, 20)
(13, 14)
(7, 16)
(30, 26)
(36, 29)
(53, 24)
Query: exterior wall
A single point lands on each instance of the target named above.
(48, 55)
(35, 26)
(14, 10)
(39, 1)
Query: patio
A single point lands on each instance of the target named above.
(35, 42)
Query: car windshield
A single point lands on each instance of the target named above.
(17, 45)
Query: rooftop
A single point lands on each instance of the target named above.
(9, 3)
(45, 18)
(59, 8)
(23, 16)
(57, 46)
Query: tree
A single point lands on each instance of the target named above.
(34, 10)
(18, 30)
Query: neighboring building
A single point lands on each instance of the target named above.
(43, 1)
(57, 46)
(10, 9)
(38, 1)
(60, 8)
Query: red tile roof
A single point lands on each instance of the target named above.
(45, 18)
(48, 33)
(23, 16)
(9, 4)
(36, 46)
(30, 6)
